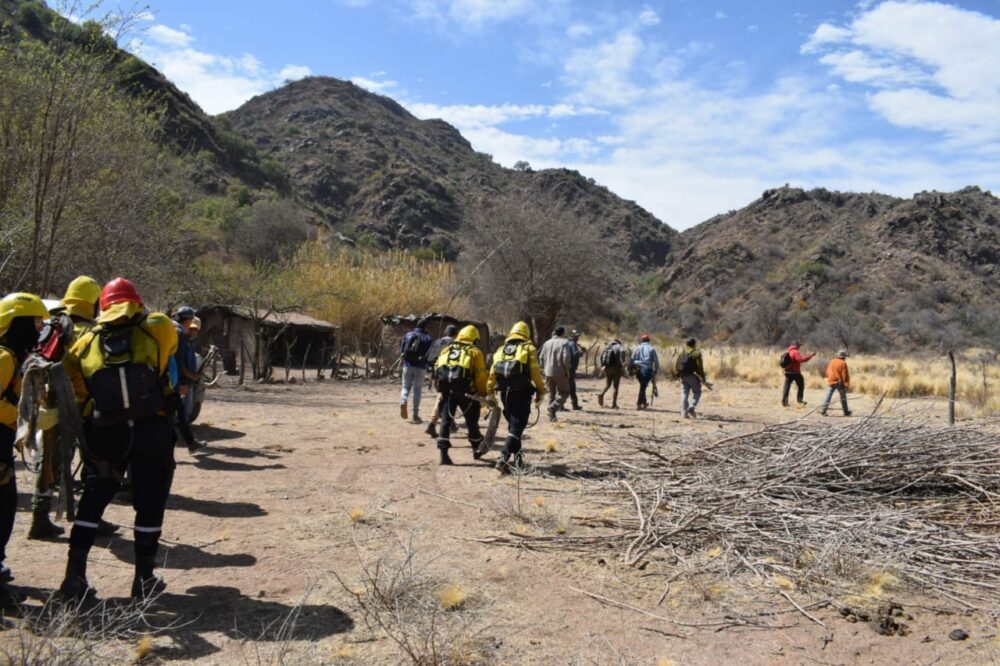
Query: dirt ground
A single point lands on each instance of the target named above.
(259, 523)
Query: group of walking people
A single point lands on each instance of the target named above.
(520, 374)
(130, 372)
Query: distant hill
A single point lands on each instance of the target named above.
(866, 270)
(374, 171)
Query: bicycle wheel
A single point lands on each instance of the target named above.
(210, 373)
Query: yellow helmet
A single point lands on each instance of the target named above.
(81, 296)
(469, 334)
(520, 330)
(20, 304)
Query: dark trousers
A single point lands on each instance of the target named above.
(800, 382)
(517, 411)
(454, 402)
(645, 376)
(146, 451)
(8, 491)
(842, 390)
(612, 379)
(572, 389)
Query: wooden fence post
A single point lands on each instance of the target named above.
(951, 389)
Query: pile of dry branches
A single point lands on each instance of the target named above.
(824, 506)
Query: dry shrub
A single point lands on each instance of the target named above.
(432, 621)
(355, 289)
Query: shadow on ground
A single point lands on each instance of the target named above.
(214, 508)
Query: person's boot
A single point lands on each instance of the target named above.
(432, 429)
(503, 465)
(402, 411)
(416, 417)
(600, 399)
(445, 458)
(9, 599)
(475, 444)
(552, 412)
(42, 527)
(145, 583)
(75, 586)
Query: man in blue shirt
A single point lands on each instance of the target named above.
(413, 350)
(646, 364)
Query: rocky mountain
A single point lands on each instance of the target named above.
(862, 270)
(372, 170)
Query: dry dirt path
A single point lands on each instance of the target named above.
(261, 519)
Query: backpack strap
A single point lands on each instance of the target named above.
(9, 394)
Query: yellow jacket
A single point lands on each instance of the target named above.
(153, 345)
(517, 335)
(8, 379)
(477, 363)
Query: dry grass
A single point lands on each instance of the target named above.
(978, 377)
(356, 289)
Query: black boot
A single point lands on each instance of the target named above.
(503, 465)
(432, 429)
(42, 528)
(75, 586)
(475, 444)
(445, 458)
(146, 584)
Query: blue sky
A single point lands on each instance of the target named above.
(690, 108)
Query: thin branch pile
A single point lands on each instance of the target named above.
(823, 506)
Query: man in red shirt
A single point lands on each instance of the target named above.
(793, 373)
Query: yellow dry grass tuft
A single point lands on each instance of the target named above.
(357, 515)
(452, 597)
(539, 501)
(143, 648)
(713, 552)
(551, 446)
(879, 582)
(342, 652)
(784, 582)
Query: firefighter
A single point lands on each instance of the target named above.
(461, 380)
(515, 373)
(80, 304)
(120, 373)
(21, 317)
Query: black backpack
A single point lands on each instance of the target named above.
(611, 357)
(412, 353)
(785, 361)
(686, 364)
(511, 365)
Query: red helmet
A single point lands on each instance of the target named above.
(119, 290)
(644, 338)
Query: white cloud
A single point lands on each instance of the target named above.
(933, 66)
(579, 30)
(216, 82)
(602, 74)
(475, 14)
(470, 117)
(649, 17)
(753, 27)
(380, 86)
(721, 15)
(294, 72)
(167, 36)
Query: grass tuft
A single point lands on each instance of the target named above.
(452, 597)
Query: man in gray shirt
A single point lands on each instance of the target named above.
(557, 365)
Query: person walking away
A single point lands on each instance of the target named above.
(80, 304)
(691, 369)
(838, 378)
(575, 353)
(21, 317)
(612, 367)
(413, 350)
(554, 357)
(461, 376)
(516, 375)
(449, 336)
(647, 365)
(119, 372)
(792, 361)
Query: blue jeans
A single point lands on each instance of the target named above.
(413, 379)
(690, 384)
(645, 376)
(842, 390)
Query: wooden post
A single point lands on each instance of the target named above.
(243, 361)
(951, 389)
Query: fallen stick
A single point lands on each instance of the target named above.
(453, 501)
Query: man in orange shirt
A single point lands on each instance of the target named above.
(839, 380)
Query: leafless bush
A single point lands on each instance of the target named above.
(432, 622)
(277, 636)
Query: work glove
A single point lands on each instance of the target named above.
(48, 417)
